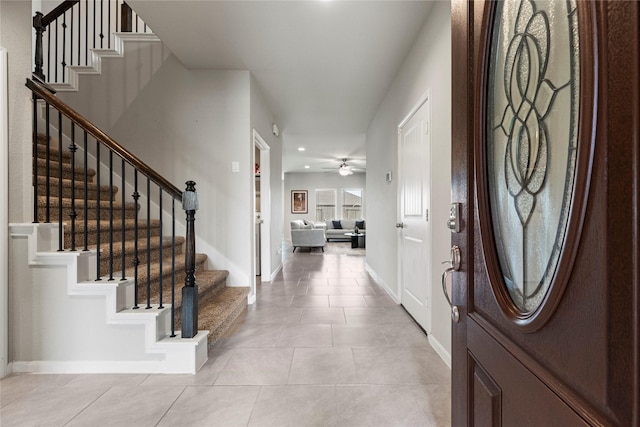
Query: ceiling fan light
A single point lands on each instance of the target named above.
(344, 171)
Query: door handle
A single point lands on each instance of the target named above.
(399, 225)
(454, 266)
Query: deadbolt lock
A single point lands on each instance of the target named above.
(453, 223)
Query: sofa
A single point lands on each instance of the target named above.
(335, 229)
(307, 235)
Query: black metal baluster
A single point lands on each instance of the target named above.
(94, 24)
(48, 166)
(173, 267)
(98, 211)
(109, 24)
(56, 51)
(123, 220)
(73, 148)
(79, 32)
(149, 243)
(35, 158)
(71, 38)
(49, 56)
(110, 215)
(136, 261)
(137, 19)
(86, 34)
(117, 18)
(64, 45)
(60, 205)
(161, 244)
(101, 23)
(86, 194)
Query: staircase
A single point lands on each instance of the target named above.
(218, 304)
(99, 276)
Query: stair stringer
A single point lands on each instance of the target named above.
(69, 323)
(97, 56)
(103, 90)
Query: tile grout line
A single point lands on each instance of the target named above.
(87, 406)
(184, 388)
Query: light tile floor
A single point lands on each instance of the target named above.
(323, 346)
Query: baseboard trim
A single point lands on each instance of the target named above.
(275, 272)
(88, 367)
(381, 283)
(439, 348)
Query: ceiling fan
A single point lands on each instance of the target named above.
(344, 169)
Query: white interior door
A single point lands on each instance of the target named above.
(414, 205)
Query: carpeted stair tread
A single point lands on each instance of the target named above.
(154, 282)
(217, 317)
(129, 252)
(54, 170)
(129, 245)
(53, 151)
(92, 188)
(166, 269)
(129, 224)
(79, 204)
(210, 284)
(92, 227)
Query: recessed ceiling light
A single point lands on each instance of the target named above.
(307, 166)
(301, 148)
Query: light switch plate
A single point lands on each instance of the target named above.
(235, 166)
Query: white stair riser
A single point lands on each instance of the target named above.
(75, 323)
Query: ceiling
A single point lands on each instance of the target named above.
(323, 66)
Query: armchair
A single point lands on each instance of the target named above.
(305, 236)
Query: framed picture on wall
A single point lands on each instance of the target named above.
(299, 201)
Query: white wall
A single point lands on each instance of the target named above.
(15, 140)
(261, 120)
(120, 82)
(313, 181)
(4, 213)
(16, 38)
(427, 67)
(191, 125)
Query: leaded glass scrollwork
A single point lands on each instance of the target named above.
(532, 116)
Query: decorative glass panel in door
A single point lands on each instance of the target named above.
(532, 132)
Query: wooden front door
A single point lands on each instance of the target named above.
(546, 153)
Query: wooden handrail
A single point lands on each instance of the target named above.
(57, 12)
(37, 88)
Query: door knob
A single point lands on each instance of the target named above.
(399, 225)
(454, 266)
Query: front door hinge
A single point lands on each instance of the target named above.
(426, 215)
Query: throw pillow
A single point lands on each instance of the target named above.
(360, 224)
(337, 225)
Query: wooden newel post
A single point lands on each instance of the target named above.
(39, 27)
(126, 20)
(190, 290)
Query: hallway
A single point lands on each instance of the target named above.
(324, 345)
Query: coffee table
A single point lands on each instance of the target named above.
(357, 239)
